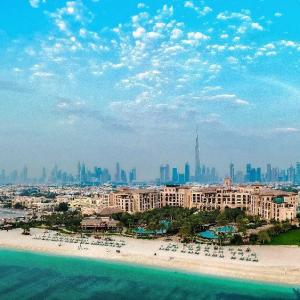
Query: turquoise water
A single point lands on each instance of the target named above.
(226, 229)
(26, 275)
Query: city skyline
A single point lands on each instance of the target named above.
(82, 82)
(167, 174)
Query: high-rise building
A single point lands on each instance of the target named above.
(24, 175)
(239, 177)
(162, 174)
(258, 175)
(231, 172)
(82, 173)
(248, 172)
(186, 172)
(269, 173)
(167, 173)
(132, 175)
(118, 172)
(79, 171)
(44, 175)
(174, 175)
(123, 176)
(297, 179)
(197, 161)
(181, 178)
(291, 173)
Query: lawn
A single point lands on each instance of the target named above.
(291, 237)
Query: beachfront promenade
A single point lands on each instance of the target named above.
(265, 263)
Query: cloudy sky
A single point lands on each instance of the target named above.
(130, 81)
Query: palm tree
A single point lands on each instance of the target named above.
(26, 229)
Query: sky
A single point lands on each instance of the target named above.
(102, 81)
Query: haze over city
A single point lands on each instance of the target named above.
(107, 81)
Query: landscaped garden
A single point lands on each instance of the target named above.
(291, 237)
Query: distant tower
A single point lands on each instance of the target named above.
(44, 175)
(79, 172)
(231, 172)
(186, 172)
(118, 172)
(197, 160)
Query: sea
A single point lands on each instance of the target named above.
(30, 275)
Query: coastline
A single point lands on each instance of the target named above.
(277, 264)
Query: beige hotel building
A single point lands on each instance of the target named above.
(258, 200)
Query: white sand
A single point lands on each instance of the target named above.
(280, 264)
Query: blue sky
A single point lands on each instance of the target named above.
(109, 80)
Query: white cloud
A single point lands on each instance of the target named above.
(232, 60)
(224, 16)
(288, 43)
(201, 12)
(197, 36)
(139, 33)
(141, 5)
(188, 4)
(278, 14)
(224, 36)
(43, 74)
(241, 102)
(34, 3)
(269, 46)
(230, 98)
(256, 26)
(176, 33)
(153, 35)
(286, 130)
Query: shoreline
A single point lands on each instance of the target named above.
(277, 264)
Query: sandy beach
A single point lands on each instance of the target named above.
(278, 264)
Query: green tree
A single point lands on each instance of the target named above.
(242, 223)
(253, 238)
(186, 232)
(237, 239)
(222, 220)
(26, 229)
(63, 206)
(18, 206)
(263, 237)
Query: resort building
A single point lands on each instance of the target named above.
(174, 195)
(274, 205)
(269, 204)
(260, 200)
(96, 224)
(124, 200)
(145, 199)
(212, 198)
(136, 200)
(34, 203)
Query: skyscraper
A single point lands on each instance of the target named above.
(174, 175)
(297, 179)
(248, 172)
(258, 174)
(197, 161)
(24, 175)
(44, 175)
(231, 172)
(79, 171)
(162, 174)
(269, 173)
(123, 176)
(186, 172)
(118, 172)
(132, 175)
(167, 173)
